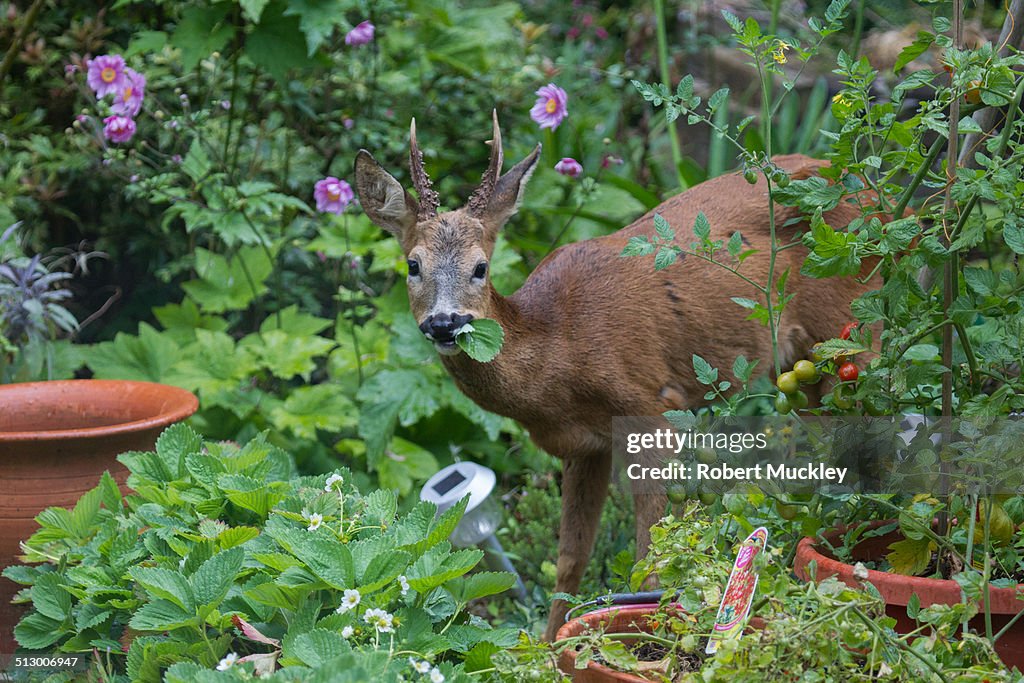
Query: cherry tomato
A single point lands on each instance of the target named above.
(788, 383)
(848, 372)
(782, 179)
(816, 355)
(787, 512)
(876, 405)
(845, 334)
(707, 498)
(708, 456)
(798, 400)
(973, 94)
(805, 371)
(750, 175)
(782, 404)
(841, 400)
(677, 495)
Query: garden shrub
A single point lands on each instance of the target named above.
(223, 557)
(282, 313)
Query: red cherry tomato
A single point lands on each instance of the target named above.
(848, 372)
(845, 334)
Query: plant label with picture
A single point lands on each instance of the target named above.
(739, 591)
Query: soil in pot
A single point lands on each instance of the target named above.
(897, 589)
(626, 619)
(56, 439)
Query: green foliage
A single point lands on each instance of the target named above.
(527, 538)
(283, 319)
(806, 630)
(223, 549)
(481, 340)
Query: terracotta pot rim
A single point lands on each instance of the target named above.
(808, 550)
(179, 404)
(572, 627)
(575, 626)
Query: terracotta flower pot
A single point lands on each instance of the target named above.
(626, 619)
(620, 619)
(897, 589)
(56, 439)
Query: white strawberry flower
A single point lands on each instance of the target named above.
(347, 632)
(334, 483)
(227, 662)
(404, 583)
(315, 520)
(436, 676)
(349, 600)
(421, 666)
(380, 620)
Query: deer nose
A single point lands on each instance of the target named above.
(442, 326)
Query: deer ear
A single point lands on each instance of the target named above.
(383, 198)
(508, 192)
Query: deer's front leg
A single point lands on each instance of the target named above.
(584, 489)
(650, 508)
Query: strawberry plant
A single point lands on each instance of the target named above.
(223, 558)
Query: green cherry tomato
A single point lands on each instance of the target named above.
(798, 400)
(707, 498)
(677, 495)
(816, 355)
(876, 406)
(782, 404)
(750, 175)
(707, 456)
(788, 383)
(805, 371)
(841, 400)
(787, 512)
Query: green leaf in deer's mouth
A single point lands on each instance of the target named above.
(481, 340)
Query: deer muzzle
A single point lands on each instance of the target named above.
(441, 328)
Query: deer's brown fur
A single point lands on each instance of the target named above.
(592, 335)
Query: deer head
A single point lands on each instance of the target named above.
(448, 252)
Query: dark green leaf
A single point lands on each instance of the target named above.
(701, 227)
(277, 44)
(211, 581)
(705, 373)
(160, 615)
(911, 52)
(202, 31)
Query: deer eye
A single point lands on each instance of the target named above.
(481, 271)
(414, 267)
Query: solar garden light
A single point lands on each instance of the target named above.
(482, 517)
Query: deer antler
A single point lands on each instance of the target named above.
(428, 199)
(477, 204)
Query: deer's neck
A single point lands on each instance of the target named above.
(510, 384)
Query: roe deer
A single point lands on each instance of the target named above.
(591, 335)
